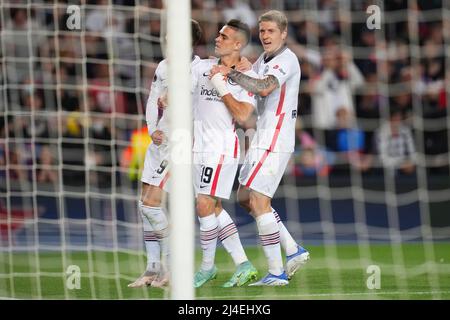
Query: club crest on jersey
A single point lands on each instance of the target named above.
(231, 82)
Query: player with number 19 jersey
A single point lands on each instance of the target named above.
(216, 145)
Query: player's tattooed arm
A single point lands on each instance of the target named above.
(262, 87)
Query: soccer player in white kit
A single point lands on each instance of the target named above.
(219, 104)
(155, 178)
(277, 87)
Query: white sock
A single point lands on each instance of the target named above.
(229, 237)
(164, 242)
(209, 231)
(160, 225)
(151, 244)
(269, 234)
(287, 242)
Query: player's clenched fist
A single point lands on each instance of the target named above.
(162, 101)
(158, 137)
(219, 82)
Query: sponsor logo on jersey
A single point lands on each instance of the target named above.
(210, 93)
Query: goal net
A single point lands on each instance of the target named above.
(366, 190)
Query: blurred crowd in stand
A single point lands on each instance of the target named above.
(369, 100)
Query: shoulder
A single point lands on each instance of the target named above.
(209, 61)
(162, 64)
(205, 64)
(289, 57)
(161, 69)
(285, 63)
(195, 61)
(195, 64)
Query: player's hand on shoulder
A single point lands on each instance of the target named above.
(219, 69)
(244, 65)
(158, 137)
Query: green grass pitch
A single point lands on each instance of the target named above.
(408, 271)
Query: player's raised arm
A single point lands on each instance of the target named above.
(240, 110)
(262, 87)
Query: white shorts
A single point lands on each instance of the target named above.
(156, 167)
(214, 174)
(262, 170)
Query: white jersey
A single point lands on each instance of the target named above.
(214, 129)
(277, 112)
(155, 117)
(156, 164)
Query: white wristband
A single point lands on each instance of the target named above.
(220, 84)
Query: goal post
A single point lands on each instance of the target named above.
(73, 133)
(180, 118)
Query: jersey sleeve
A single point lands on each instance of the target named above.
(282, 68)
(151, 110)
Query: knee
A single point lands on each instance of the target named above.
(259, 203)
(253, 202)
(243, 199)
(218, 208)
(245, 203)
(205, 206)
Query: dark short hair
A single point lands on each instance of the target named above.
(196, 32)
(241, 27)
